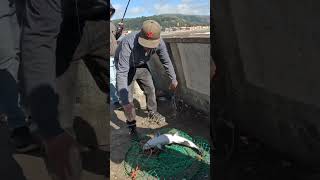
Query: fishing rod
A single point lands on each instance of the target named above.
(120, 27)
(125, 11)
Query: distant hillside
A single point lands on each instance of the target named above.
(167, 20)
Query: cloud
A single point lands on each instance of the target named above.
(117, 6)
(136, 11)
(131, 11)
(119, 11)
(191, 7)
(149, 8)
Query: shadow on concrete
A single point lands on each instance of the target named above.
(121, 138)
(184, 117)
(85, 133)
(9, 167)
(96, 160)
(136, 103)
(67, 43)
(139, 111)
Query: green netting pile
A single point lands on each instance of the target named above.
(175, 162)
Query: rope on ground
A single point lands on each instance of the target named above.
(134, 173)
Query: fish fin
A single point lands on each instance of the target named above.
(186, 143)
(176, 134)
(157, 134)
(160, 147)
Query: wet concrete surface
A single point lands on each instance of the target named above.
(188, 120)
(31, 166)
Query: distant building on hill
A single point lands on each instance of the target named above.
(192, 28)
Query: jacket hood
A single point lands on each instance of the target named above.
(112, 9)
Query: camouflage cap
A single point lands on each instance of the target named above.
(150, 34)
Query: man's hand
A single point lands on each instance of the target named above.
(121, 25)
(58, 152)
(128, 109)
(173, 85)
(120, 29)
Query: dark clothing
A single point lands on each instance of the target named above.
(9, 100)
(46, 31)
(130, 54)
(41, 27)
(93, 50)
(9, 64)
(112, 9)
(9, 36)
(143, 77)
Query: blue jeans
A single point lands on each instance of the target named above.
(9, 63)
(113, 90)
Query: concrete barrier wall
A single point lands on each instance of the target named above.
(83, 106)
(267, 53)
(277, 45)
(191, 60)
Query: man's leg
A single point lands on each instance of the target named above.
(145, 81)
(113, 90)
(9, 35)
(41, 26)
(39, 38)
(92, 49)
(9, 64)
(132, 76)
(20, 137)
(131, 123)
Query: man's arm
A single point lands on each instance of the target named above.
(166, 61)
(123, 65)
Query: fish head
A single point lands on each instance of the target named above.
(148, 145)
(161, 147)
(159, 140)
(151, 143)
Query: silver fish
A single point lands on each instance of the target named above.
(166, 139)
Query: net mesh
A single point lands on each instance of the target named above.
(175, 162)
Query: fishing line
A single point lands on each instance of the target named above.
(78, 18)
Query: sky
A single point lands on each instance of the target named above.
(138, 8)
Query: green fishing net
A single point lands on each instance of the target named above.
(175, 162)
